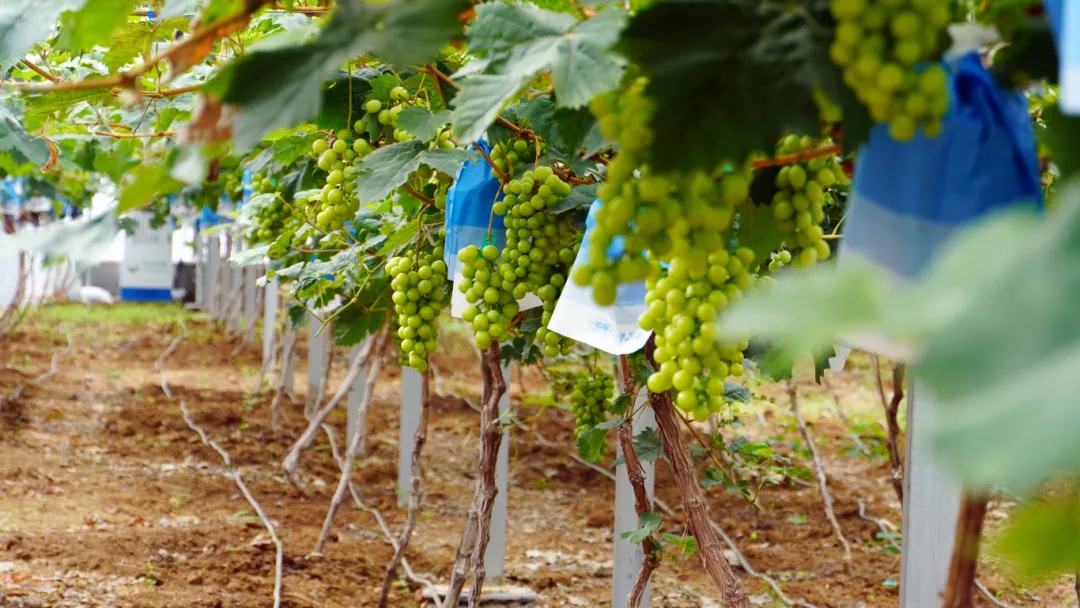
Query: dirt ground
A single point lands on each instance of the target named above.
(107, 498)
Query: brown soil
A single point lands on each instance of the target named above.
(107, 498)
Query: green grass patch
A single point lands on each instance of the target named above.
(123, 313)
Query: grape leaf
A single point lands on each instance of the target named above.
(648, 446)
(399, 31)
(249, 257)
(514, 43)
(421, 123)
(755, 228)
(736, 392)
(149, 183)
(127, 42)
(592, 443)
(648, 523)
(387, 168)
(580, 196)
(1042, 539)
(286, 150)
(24, 23)
(84, 239)
(1062, 134)
(92, 24)
(741, 101)
(14, 139)
(335, 103)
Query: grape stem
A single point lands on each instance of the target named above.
(183, 51)
(791, 159)
(417, 195)
(502, 176)
(438, 87)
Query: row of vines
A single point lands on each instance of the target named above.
(668, 182)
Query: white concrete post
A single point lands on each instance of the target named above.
(354, 423)
(236, 280)
(271, 304)
(200, 271)
(931, 503)
(316, 362)
(628, 556)
(495, 557)
(410, 420)
(251, 298)
(213, 265)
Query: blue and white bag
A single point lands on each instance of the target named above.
(613, 329)
(468, 212)
(908, 198)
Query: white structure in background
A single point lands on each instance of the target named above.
(146, 274)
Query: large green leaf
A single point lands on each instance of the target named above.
(387, 168)
(1042, 539)
(741, 97)
(516, 42)
(93, 24)
(149, 183)
(280, 87)
(336, 96)
(1003, 346)
(14, 139)
(1062, 134)
(24, 23)
(81, 240)
(806, 310)
(421, 123)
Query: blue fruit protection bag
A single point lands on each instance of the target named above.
(908, 198)
(613, 329)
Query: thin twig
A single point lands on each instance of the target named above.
(362, 506)
(819, 471)
(892, 426)
(350, 452)
(373, 349)
(53, 364)
(414, 489)
(159, 365)
(839, 408)
(235, 475)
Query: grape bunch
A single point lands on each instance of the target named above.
(492, 305)
(269, 222)
(508, 156)
(540, 249)
(880, 45)
(684, 222)
(800, 199)
(666, 215)
(419, 283)
(590, 398)
(382, 119)
(682, 311)
(337, 156)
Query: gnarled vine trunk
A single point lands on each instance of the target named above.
(475, 537)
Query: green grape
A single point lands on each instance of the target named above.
(590, 398)
(418, 280)
(879, 43)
